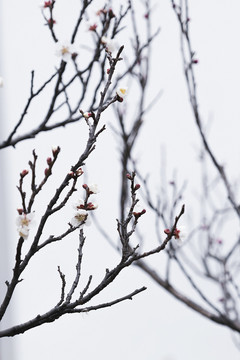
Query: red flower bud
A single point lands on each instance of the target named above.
(46, 171)
(92, 27)
(51, 22)
(167, 231)
(137, 186)
(47, 4)
(120, 99)
(24, 173)
(49, 161)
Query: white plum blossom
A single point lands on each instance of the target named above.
(1, 81)
(93, 189)
(64, 50)
(110, 44)
(122, 91)
(81, 217)
(23, 232)
(24, 223)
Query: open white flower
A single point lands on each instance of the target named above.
(24, 223)
(111, 44)
(23, 231)
(81, 217)
(122, 91)
(64, 50)
(93, 189)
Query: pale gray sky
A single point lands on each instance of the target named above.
(153, 326)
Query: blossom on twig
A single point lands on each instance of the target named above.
(121, 92)
(65, 50)
(93, 189)
(110, 44)
(81, 217)
(24, 223)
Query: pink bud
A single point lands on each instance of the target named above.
(129, 176)
(108, 71)
(47, 4)
(195, 61)
(92, 27)
(120, 99)
(137, 186)
(20, 211)
(85, 186)
(49, 161)
(167, 231)
(46, 171)
(24, 173)
(51, 22)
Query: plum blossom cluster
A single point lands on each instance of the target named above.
(24, 223)
(82, 207)
(179, 234)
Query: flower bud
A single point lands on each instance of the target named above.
(79, 172)
(92, 27)
(49, 161)
(167, 231)
(47, 171)
(24, 173)
(55, 150)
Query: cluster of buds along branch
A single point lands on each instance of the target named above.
(137, 210)
(25, 218)
(48, 5)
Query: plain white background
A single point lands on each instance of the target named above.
(152, 326)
